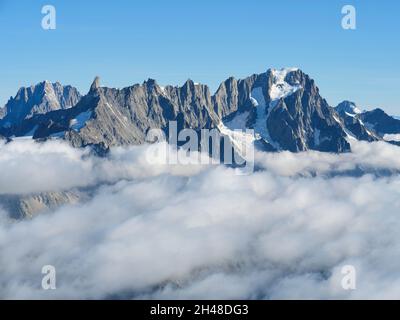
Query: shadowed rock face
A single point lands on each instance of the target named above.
(235, 95)
(381, 122)
(39, 99)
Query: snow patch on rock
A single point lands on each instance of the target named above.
(80, 121)
(391, 137)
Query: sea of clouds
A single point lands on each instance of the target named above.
(153, 230)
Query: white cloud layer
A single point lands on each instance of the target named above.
(157, 231)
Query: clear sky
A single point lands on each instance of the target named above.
(128, 41)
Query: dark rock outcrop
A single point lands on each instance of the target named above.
(379, 121)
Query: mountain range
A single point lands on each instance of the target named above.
(284, 107)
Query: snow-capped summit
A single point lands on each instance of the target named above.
(348, 107)
(280, 87)
(285, 110)
(284, 70)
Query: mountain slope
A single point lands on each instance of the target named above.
(286, 111)
(368, 125)
(348, 107)
(381, 122)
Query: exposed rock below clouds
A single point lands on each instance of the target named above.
(28, 206)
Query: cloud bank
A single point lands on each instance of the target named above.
(159, 231)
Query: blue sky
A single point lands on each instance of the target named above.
(128, 41)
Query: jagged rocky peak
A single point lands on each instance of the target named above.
(188, 86)
(283, 82)
(192, 89)
(150, 83)
(290, 75)
(152, 87)
(348, 107)
(38, 99)
(298, 118)
(379, 121)
(95, 84)
(286, 81)
(226, 98)
(122, 117)
(286, 111)
(237, 95)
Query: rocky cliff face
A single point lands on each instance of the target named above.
(121, 117)
(380, 122)
(39, 99)
(302, 120)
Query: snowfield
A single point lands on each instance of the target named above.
(280, 89)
